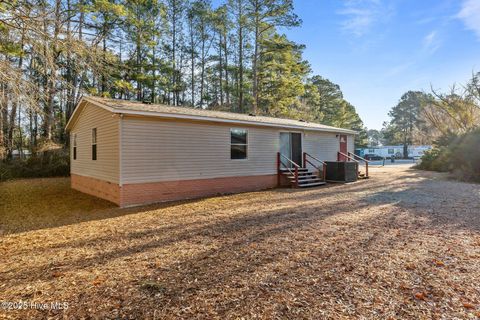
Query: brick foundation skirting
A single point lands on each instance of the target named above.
(99, 188)
(144, 193)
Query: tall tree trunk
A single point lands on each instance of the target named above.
(11, 129)
(240, 57)
(3, 109)
(78, 86)
(35, 130)
(153, 75)
(71, 74)
(227, 89)
(202, 67)
(104, 52)
(13, 111)
(174, 47)
(220, 67)
(30, 129)
(255, 57)
(138, 70)
(192, 63)
(20, 133)
(51, 79)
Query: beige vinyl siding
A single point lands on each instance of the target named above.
(106, 167)
(165, 150)
(322, 145)
(168, 150)
(351, 143)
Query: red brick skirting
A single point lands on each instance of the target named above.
(144, 193)
(99, 188)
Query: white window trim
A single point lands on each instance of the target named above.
(303, 135)
(74, 147)
(94, 130)
(94, 143)
(239, 144)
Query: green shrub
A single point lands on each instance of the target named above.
(47, 164)
(465, 156)
(457, 154)
(435, 159)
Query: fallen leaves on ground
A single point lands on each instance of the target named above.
(401, 245)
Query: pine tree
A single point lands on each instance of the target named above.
(281, 76)
(405, 117)
(265, 16)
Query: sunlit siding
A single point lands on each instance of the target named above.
(351, 143)
(165, 150)
(322, 145)
(106, 167)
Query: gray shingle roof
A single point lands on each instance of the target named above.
(135, 107)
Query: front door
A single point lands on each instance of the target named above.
(343, 147)
(296, 148)
(291, 147)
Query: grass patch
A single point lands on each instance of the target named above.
(30, 204)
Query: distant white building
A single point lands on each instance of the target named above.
(18, 154)
(397, 151)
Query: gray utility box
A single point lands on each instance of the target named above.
(341, 171)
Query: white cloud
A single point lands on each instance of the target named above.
(431, 42)
(398, 69)
(361, 15)
(470, 15)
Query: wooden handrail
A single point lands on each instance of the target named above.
(291, 161)
(363, 159)
(357, 156)
(350, 158)
(324, 165)
(309, 155)
(347, 156)
(279, 166)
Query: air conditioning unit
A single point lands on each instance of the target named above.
(342, 171)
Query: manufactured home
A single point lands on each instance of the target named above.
(133, 153)
(397, 151)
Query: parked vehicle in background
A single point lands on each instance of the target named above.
(373, 157)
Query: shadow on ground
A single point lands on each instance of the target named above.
(337, 252)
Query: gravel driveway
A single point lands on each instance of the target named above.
(404, 244)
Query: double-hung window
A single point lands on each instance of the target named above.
(94, 144)
(238, 143)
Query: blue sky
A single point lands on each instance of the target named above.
(378, 49)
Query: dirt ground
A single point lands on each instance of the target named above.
(404, 244)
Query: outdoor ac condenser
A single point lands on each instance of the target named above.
(341, 171)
